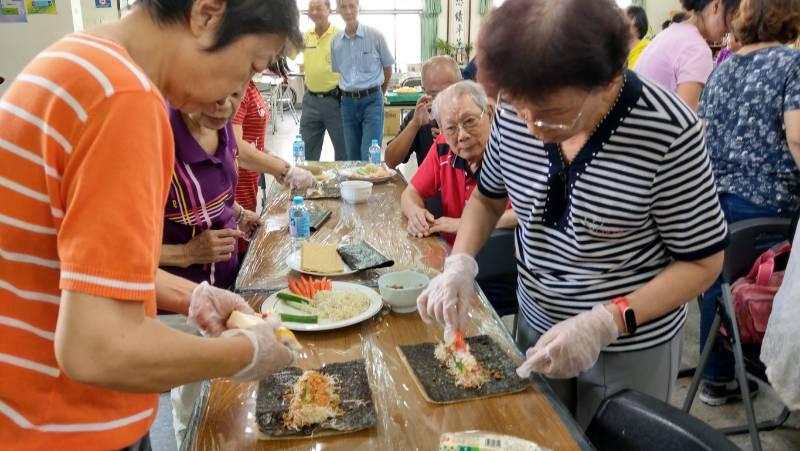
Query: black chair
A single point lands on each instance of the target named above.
(749, 239)
(497, 265)
(630, 420)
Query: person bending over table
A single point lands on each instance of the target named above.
(418, 129)
(453, 164)
(619, 222)
(86, 151)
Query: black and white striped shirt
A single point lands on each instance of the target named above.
(639, 195)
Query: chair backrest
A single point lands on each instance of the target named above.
(434, 205)
(749, 239)
(631, 421)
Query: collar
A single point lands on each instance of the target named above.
(359, 32)
(332, 30)
(454, 161)
(187, 149)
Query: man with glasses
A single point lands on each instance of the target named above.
(453, 165)
(321, 110)
(363, 60)
(418, 130)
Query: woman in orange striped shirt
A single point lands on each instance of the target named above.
(86, 155)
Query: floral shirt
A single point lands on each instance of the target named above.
(743, 106)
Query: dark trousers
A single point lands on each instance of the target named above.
(321, 114)
(141, 445)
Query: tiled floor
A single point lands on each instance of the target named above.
(767, 404)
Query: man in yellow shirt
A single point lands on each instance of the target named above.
(321, 109)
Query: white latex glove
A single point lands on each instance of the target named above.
(571, 346)
(298, 178)
(210, 307)
(447, 298)
(269, 355)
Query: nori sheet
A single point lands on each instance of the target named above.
(440, 386)
(361, 256)
(354, 393)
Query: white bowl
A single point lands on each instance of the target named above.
(401, 289)
(355, 191)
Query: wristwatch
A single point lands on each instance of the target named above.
(628, 315)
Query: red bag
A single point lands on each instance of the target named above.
(753, 295)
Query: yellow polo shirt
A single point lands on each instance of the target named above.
(317, 61)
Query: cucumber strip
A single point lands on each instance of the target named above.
(299, 319)
(284, 296)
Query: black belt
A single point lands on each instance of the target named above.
(360, 94)
(332, 93)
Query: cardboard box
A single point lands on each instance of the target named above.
(391, 121)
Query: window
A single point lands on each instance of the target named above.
(399, 20)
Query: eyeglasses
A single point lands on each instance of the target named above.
(469, 125)
(526, 115)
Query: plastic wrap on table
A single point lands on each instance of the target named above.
(405, 421)
(378, 221)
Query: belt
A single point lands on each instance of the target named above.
(332, 93)
(359, 94)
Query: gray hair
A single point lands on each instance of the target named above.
(327, 3)
(443, 61)
(458, 90)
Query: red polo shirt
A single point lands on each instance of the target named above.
(444, 172)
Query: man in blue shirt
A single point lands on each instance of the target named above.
(361, 56)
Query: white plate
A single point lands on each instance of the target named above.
(295, 262)
(273, 304)
(350, 173)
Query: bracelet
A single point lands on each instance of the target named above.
(241, 215)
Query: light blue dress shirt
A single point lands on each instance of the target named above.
(360, 58)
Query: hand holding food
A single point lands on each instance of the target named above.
(212, 246)
(298, 178)
(210, 307)
(571, 346)
(269, 355)
(249, 222)
(239, 320)
(447, 298)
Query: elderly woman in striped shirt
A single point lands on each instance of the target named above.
(619, 222)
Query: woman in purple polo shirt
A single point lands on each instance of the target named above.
(202, 221)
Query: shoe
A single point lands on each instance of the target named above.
(717, 394)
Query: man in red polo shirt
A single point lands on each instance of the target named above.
(453, 164)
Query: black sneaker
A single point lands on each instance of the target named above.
(717, 394)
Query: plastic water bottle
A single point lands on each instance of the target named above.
(299, 150)
(299, 223)
(375, 152)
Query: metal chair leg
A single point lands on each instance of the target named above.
(740, 369)
(701, 366)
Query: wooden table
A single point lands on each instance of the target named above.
(224, 416)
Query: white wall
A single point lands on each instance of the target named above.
(20, 42)
(93, 16)
(658, 11)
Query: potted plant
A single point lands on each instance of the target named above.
(442, 47)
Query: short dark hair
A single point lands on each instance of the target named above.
(639, 17)
(698, 5)
(665, 24)
(531, 48)
(765, 21)
(242, 17)
(679, 17)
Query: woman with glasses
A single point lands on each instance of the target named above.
(619, 222)
(453, 165)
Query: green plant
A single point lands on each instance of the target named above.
(443, 47)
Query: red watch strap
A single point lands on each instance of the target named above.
(623, 305)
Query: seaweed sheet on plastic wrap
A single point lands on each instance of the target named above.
(380, 222)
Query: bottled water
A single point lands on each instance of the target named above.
(299, 223)
(375, 152)
(299, 150)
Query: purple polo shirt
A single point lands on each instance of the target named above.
(201, 197)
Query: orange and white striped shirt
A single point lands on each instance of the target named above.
(86, 153)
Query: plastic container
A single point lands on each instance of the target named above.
(401, 289)
(299, 151)
(355, 191)
(375, 152)
(299, 222)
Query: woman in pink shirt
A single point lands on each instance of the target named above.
(679, 58)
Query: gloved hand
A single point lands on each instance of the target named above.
(298, 178)
(269, 355)
(449, 294)
(571, 346)
(210, 307)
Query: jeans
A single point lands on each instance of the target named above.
(720, 367)
(362, 119)
(319, 115)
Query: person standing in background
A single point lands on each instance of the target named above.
(363, 60)
(639, 28)
(321, 109)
